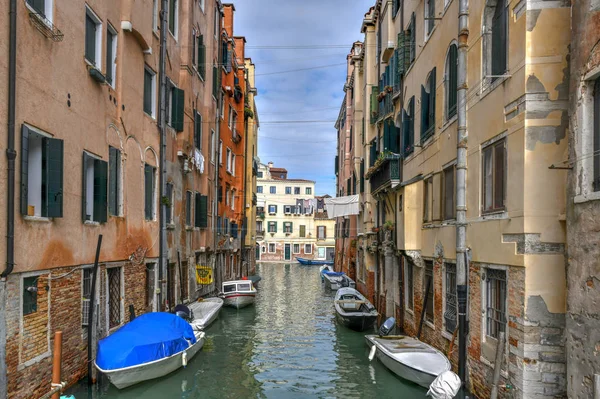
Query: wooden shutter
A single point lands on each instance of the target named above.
(203, 211)
(372, 153)
(90, 39)
(424, 112)
(100, 190)
(449, 193)
(362, 176)
(148, 192)
(201, 57)
(54, 177)
(302, 231)
(194, 48)
(215, 82)
(374, 102)
(452, 80)
(432, 95)
(172, 16)
(596, 137)
(220, 194)
(386, 136)
(84, 187)
(114, 164)
(499, 38)
(499, 175)
(337, 167)
(401, 66)
(109, 56)
(38, 6)
(198, 210)
(234, 230)
(24, 169)
(197, 130)
(406, 144)
(177, 99)
(411, 130)
(147, 92)
(413, 37)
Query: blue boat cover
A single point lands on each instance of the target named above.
(334, 274)
(149, 337)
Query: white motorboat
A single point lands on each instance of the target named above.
(150, 346)
(323, 269)
(238, 293)
(204, 312)
(337, 280)
(409, 358)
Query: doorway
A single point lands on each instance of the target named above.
(287, 252)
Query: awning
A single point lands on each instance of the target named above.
(342, 206)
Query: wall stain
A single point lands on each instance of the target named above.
(55, 254)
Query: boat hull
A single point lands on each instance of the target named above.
(128, 376)
(335, 283)
(400, 369)
(357, 322)
(309, 262)
(239, 301)
(203, 318)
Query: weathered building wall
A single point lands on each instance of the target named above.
(583, 207)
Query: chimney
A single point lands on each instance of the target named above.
(270, 165)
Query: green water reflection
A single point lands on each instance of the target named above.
(287, 346)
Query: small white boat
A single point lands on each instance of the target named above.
(323, 269)
(238, 293)
(204, 312)
(150, 346)
(336, 280)
(353, 310)
(409, 358)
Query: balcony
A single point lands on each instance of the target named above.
(386, 173)
(386, 105)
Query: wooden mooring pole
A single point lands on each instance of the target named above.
(56, 363)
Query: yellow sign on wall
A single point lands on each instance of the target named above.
(204, 275)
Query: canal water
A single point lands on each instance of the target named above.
(286, 346)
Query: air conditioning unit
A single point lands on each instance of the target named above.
(186, 166)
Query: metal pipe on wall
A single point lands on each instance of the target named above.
(461, 187)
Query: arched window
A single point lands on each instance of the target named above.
(408, 128)
(495, 43)
(428, 107)
(450, 80)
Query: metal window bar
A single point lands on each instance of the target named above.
(451, 304)
(429, 279)
(496, 302)
(114, 297)
(86, 295)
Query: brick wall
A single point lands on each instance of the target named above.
(279, 255)
(29, 361)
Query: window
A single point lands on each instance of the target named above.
(94, 196)
(86, 295)
(321, 232)
(114, 181)
(227, 195)
(450, 299)
(408, 128)
(201, 60)
(429, 17)
(321, 253)
(233, 199)
(201, 5)
(428, 107)
(155, 20)
(308, 191)
(273, 190)
(149, 92)
(287, 227)
(495, 299)
(233, 163)
(230, 118)
(228, 164)
(173, 17)
(30, 294)
(495, 39)
(296, 248)
(263, 249)
(428, 199)
(494, 176)
(412, 34)
(259, 189)
(223, 105)
(449, 193)
(111, 55)
(221, 152)
(272, 209)
(197, 130)
(395, 7)
(176, 108)
(297, 190)
(188, 208)
(41, 174)
(287, 209)
(272, 227)
(451, 81)
(302, 230)
(410, 287)
(42, 8)
(259, 174)
(213, 144)
(201, 209)
(215, 87)
(170, 205)
(429, 310)
(93, 38)
(271, 248)
(308, 249)
(259, 226)
(149, 192)
(113, 277)
(288, 190)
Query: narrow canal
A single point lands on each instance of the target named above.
(287, 346)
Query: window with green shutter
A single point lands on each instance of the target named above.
(412, 34)
(114, 181)
(90, 38)
(173, 10)
(201, 215)
(39, 6)
(215, 82)
(188, 208)
(41, 162)
(372, 153)
(94, 195)
(201, 57)
(288, 227)
(302, 230)
(337, 164)
(149, 195)
(362, 176)
(374, 103)
(149, 91)
(451, 81)
(197, 130)
(30, 294)
(177, 108)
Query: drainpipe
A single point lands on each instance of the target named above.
(461, 188)
(245, 187)
(217, 138)
(11, 153)
(162, 123)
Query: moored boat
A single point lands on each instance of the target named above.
(310, 262)
(337, 280)
(407, 357)
(353, 310)
(204, 312)
(150, 346)
(238, 293)
(323, 269)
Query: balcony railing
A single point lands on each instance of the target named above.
(385, 173)
(386, 106)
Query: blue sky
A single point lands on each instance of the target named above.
(307, 150)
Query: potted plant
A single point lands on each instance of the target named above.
(388, 225)
(389, 89)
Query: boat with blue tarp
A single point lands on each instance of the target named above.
(150, 346)
(311, 262)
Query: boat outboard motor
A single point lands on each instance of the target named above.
(184, 312)
(387, 327)
(345, 282)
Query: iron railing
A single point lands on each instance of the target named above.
(387, 172)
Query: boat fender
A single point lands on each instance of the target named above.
(184, 359)
(372, 353)
(445, 386)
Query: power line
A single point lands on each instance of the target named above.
(300, 70)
